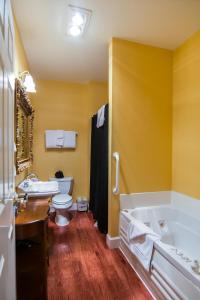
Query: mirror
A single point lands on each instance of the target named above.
(24, 128)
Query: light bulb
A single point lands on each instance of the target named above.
(74, 30)
(29, 84)
(78, 19)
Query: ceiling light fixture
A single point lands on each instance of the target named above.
(79, 20)
(74, 30)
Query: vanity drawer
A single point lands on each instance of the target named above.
(27, 231)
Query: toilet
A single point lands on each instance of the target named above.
(63, 201)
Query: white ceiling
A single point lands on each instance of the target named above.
(53, 55)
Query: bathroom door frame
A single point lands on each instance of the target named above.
(7, 186)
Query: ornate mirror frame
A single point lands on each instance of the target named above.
(24, 115)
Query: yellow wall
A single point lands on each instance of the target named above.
(186, 117)
(96, 94)
(68, 106)
(20, 65)
(140, 120)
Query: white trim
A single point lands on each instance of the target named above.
(130, 201)
(112, 242)
(186, 204)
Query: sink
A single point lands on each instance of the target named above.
(39, 188)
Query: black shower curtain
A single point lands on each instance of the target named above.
(99, 173)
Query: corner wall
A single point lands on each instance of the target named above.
(140, 97)
(186, 118)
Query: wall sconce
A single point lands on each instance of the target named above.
(27, 81)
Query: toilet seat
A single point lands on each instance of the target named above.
(62, 199)
(63, 202)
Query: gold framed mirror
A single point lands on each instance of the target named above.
(24, 115)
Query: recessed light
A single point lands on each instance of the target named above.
(79, 20)
(74, 30)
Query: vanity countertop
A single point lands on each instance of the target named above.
(35, 210)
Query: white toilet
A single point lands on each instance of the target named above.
(63, 201)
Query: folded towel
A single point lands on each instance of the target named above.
(59, 138)
(101, 116)
(69, 139)
(44, 186)
(141, 240)
(136, 229)
(54, 138)
(29, 186)
(143, 249)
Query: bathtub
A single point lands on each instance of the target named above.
(171, 275)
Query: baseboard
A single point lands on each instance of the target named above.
(112, 242)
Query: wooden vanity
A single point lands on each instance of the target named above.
(32, 250)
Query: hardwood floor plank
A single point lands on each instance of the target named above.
(83, 268)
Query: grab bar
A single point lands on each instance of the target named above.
(116, 188)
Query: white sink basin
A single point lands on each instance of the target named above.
(39, 188)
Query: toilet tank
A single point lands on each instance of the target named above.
(65, 184)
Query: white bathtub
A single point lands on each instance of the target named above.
(171, 275)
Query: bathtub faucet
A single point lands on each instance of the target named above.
(196, 267)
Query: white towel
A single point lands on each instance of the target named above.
(50, 139)
(141, 242)
(143, 250)
(44, 186)
(137, 229)
(59, 138)
(69, 139)
(101, 116)
(54, 138)
(39, 186)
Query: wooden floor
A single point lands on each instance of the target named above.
(83, 268)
